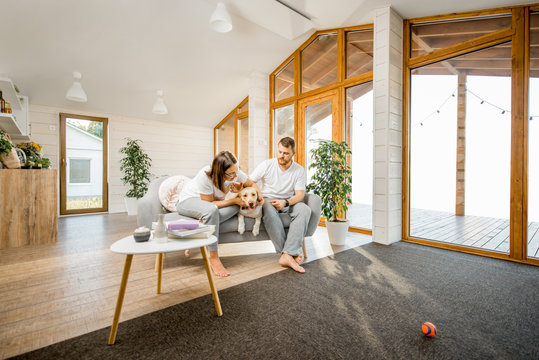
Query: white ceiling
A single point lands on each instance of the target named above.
(128, 49)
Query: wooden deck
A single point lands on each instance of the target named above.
(473, 231)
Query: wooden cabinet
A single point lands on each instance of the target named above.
(28, 207)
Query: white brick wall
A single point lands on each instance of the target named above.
(173, 148)
(387, 212)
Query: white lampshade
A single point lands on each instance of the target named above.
(76, 92)
(220, 19)
(159, 107)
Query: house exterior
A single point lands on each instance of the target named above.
(84, 164)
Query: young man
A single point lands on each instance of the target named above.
(284, 189)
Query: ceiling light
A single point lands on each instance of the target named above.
(159, 107)
(220, 19)
(76, 92)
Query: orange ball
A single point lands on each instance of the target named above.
(428, 329)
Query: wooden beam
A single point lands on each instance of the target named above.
(460, 193)
(427, 48)
(519, 121)
(480, 42)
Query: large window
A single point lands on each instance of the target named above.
(232, 134)
(283, 124)
(309, 102)
(459, 150)
(225, 135)
(319, 62)
(284, 82)
(359, 135)
(470, 150)
(533, 142)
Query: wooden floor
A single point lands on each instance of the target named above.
(50, 293)
(474, 231)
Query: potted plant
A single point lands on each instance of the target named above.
(135, 166)
(332, 181)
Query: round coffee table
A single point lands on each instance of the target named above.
(130, 247)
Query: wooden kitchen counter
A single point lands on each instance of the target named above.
(28, 207)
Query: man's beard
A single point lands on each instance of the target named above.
(284, 162)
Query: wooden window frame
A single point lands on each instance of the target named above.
(63, 166)
(300, 98)
(518, 34)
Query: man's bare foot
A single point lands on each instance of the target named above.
(187, 252)
(288, 260)
(218, 267)
(298, 258)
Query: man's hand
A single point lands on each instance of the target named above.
(278, 204)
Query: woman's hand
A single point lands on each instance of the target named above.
(238, 201)
(260, 201)
(235, 187)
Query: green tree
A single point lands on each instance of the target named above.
(96, 128)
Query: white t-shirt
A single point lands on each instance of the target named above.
(202, 184)
(279, 184)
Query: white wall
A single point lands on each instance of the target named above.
(387, 211)
(173, 148)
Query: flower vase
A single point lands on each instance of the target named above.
(160, 233)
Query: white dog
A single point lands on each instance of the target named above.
(249, 198)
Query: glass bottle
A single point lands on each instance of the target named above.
(160, 233)
(2, 103)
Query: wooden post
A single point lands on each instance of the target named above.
(460, 194)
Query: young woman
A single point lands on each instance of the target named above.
(203, 198)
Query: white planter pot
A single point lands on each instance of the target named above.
(337, 231)
(131, 205)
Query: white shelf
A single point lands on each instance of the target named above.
(9, 94)
(9, 125)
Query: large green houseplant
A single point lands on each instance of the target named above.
(332, 181)
(135, 166)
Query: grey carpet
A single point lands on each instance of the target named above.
(364, 303)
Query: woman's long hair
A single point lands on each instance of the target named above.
(221, 163)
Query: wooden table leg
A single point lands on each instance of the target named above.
(209, 273)
(159, 271)
(119, 302)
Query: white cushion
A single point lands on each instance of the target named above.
(170, 189)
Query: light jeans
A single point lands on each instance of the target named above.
(292, 242)
(208, 213)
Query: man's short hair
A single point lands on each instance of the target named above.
(288, 142)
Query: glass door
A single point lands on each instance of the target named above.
(83, 169)
(318, 116)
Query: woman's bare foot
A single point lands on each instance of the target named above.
(187, 252)
(217, 266)
(288, 260)
(298, 258)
